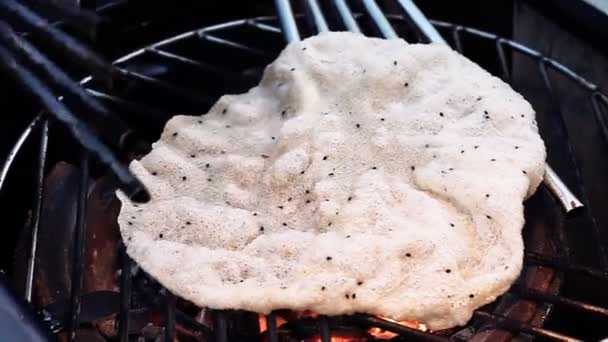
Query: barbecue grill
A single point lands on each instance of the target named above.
(186, 74)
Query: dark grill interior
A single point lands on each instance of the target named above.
(560, 296)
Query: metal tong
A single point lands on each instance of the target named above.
(551, 180)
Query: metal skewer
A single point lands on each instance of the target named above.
(551, 180)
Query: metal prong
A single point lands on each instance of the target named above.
(561, 192)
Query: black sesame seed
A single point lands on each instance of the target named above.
(347, 296)
(175, 134)
(353, 296)
(408, 255)
(426, 145)
(412, 168)
(273, 138)
(208, 179)
(283, 113)
(479, 98)
(328, 258)
(492, 159)
(322, 288)
(350, 198)
(130, 223)
(448, 271)
(227, 126)
(489, 217)
(329, 224)
(264, 156)
(303, 49)
(394, 62)
(374, 168)
(224, 111)
(192, 156)
(293, 69)
(223, 152)
(487, 195)
(280, 207)
(325, 158)
(331, 174)
(133, 217)
(451, 169)
(358, 125)
(200, 121)
(302, 172)
(154, 173)
(207, 165)
(441, 114)
(485, 112)
(184, 178)
(517, 147)
(255, 214)
(476, 146)
(451, 225)
(381, 119)
(284, 224)
(522, 115)
(289, 199)
(471, 296)
(359, 283)
(188, 223)
(261, 228)
(348, 236)
(406, 84)
(307, 201)
(307, 191)
(524, 171)
(461, 151)
(160, 235)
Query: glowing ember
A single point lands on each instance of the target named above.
(339, 339)
(385, 335)
(264, 323)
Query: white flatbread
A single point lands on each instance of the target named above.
(361, 175)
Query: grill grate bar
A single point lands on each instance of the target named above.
(226, 42)
(379, 19)
(78, 248)
(133, 107)
(324, 330)
(222, 72)
(31, 262)
(221, 326)
(263, 27)
(169, 317)
(536, 295)
(517, 326)
(185, 93)
(542, 260)
(596, 98)
(271, 325)
(403, 330)
(125, 296)
(288, 21)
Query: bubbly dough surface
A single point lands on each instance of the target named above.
(361, 175)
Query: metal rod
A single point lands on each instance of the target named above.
(128, 183)
(169, 317)
(312, 6)
(84, 20)
(347, 16)
(324, 330)
(536, 295)
(381, 323)
(31, 261)
(78, 53)
(518, 326)
(79, 246)
(125, 296)
(221, 326)
(421, 22)
(379, 19)
(288, 22)
(543, 260)
(561, 192)
(271, 325)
